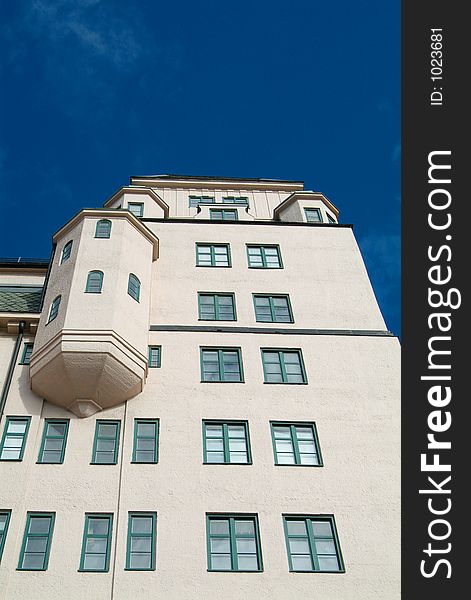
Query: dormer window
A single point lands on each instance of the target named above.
(66, 252)
(313, 215)
(331, 219)
(136, 208)
(103, 229)
(242, 200)
(196, 200)
(223, 214)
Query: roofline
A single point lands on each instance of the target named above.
(216, 183)
(29, 263)
(139, 190)
(214, 178)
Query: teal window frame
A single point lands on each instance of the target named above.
(285, 376)
(263, 255)
(310, 537)
(239, 200)
(223, 214)
(27, 351)
(226, 441)
(313, 211)
(97, 438)
(222, 372)
(152, 535)
(295, 443)
(66, 252)
(217, 306)
(5, 516)
(13, 435)
(103, 229)
(96, 536)
(213, 254)
(330, 219)
(136, 209)
(154, 357)
(194, 201)
(233, 536)
(94, 282)
(28, 535)
(138, 437)
(53, 438)
(134, 287)
(54, 310)
(273, 309)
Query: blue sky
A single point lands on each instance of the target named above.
(94, 91)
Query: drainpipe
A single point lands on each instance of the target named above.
(11, 367)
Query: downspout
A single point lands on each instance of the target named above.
(11, 368)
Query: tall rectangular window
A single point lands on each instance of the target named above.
(136, 208)
(264, 257)
(226, 442)
(54, 441)
(223, 214)
(312, 543)
(34, 555)
(216, 307)
(213, 255)
(272, 309)
(313, 215)
(283, 366)
(233, 543)
(296, 444)
(27, 351)
(154, 357)
(140, 552)
(4, 522)
(106, 442)
(96, 544)
(14, 438)
(146, 434)
(221, 365)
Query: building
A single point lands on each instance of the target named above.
(200, 399)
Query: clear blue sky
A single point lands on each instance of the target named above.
(95, 91)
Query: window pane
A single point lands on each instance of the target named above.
(145, 456)
(213, 430)
(299, 546)
(246, 545)
(36, 544)
(220, 545)
(107, 429)
(140, 561)
(309, 459)
(328, 563)
(146, 429)
(214, 444)
(247, 562)
(141, 544)
(296, 527)
(56, 429)
(95, 562)
(39, 525)
(282, 432)
(96, 545)
(221, 562)
(322, 529)
(141, 524)
(304, 433)
(236, 431)
(16, 426)
(238, 457)
(285, 459)
(301, 563)
(215, 457)
(325, 547)
(33, 561)
(97, 526)
(219, 526)
(244, 527)
(105, 445)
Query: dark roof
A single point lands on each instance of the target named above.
(212, 177)
(24, 263)
(20, 298)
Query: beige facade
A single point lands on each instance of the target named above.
(90, 363)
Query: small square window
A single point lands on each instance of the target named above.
(233, 543)
(155, 353)
(264, 257)
(296, 444)
(283, 366)
(213, 255)
(216, 307)
(221, 365)
(223, 214)
(136, 208)
(313, 215)
(14, 438)
(272, 309)
(226, 442)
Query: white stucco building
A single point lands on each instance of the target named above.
(199, 399)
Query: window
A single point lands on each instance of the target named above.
(4, 522)
(27, 351)
(34, 555)
(216, 307)
(296, 444)
(221, 364)
(146, 435)
(312, 543)
(223, 214)
(264, 257)
(140, 552)
(243, 200)
(226, 442)
(233, 543)
(195, 200)
(134, 287)
(96, 544)
(136, 208)
(330, 219)
(103, 229)
(94, 282)
(54, 309)
(154, 357)
(272, 309)
(106, 442)
(66, 250)
(14, 437)
(313, 215)
(213, 255)
(283, 366)
(54, 441)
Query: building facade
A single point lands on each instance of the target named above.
(200, 399)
